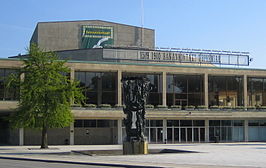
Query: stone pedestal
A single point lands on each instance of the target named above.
(135, 148)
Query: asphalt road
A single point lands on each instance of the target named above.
(6, 163)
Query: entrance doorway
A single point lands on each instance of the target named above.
(156, 135)
(185, 134)
(185, 131)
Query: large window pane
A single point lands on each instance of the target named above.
(256, 91)
(100, 87)
(185, 90)
(225, 91)
(155, 95)
(11, 93)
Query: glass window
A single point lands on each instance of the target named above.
(238, 122)
(155, 95)
(198, 123)
(214, 122)
(100, 87)
(262, 122)
(185, 90)
(147, 123)
(78, 123)
(226, 123)
(184, 123)
(156, 123)
(225, 91)
(253, 123)
(171, 123)
(256, 91)
(5, 93)
(89, 123)
(95, 123)
(108, 81)
(103, 123)
(91, 81)
(106, 123)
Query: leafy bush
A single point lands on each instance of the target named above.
(190, 107)
(202, 107)
(176, 106)
(161, 106)
(90, 105)
(118, 106)
(214, 107)
(262, 107)
(75, 105)
(104, 106)
(251, 107)
(226, 107)
(240, 107)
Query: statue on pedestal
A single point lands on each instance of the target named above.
(135, 91)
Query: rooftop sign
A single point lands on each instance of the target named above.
(96, 36)
(180, 56)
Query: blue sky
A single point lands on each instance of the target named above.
(238, 25)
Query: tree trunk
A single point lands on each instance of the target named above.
(44, 144)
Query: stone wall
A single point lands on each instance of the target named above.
(56, 136)
(96, 136)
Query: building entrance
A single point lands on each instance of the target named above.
(156, 135)
(185, 131)
(185, 134)
(177, 131)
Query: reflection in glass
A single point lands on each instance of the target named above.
(225, 91)
(257, 91)
(185, 90)
(99, 87)
(155, 95)
(11, 93)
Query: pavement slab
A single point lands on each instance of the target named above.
(218, 155)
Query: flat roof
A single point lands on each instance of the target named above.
(149, 64)
(94, 21)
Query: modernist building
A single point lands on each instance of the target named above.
(101, 53)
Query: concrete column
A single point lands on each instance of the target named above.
(207, 134)
(246, 130)
(192, 134)
(164, 130)
(72, 135)
(21, 136)
(72, 73)
(164, 87)
(72, 78)
(119, 88)
(245, 83)
(206, 90)
(119, 132)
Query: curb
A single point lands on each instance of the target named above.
(81, 163)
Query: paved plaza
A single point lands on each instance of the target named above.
(204, 155)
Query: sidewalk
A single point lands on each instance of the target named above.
(209, 155)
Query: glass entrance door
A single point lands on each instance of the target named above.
(185, 134)
(156, 135)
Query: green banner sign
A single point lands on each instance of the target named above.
(96, 36)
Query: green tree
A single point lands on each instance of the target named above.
(46, 93)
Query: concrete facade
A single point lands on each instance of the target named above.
(114, 135)
(64, 38)
(54, 36)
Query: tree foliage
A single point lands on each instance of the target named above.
(46, 92)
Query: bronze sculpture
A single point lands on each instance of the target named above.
(135, 91)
